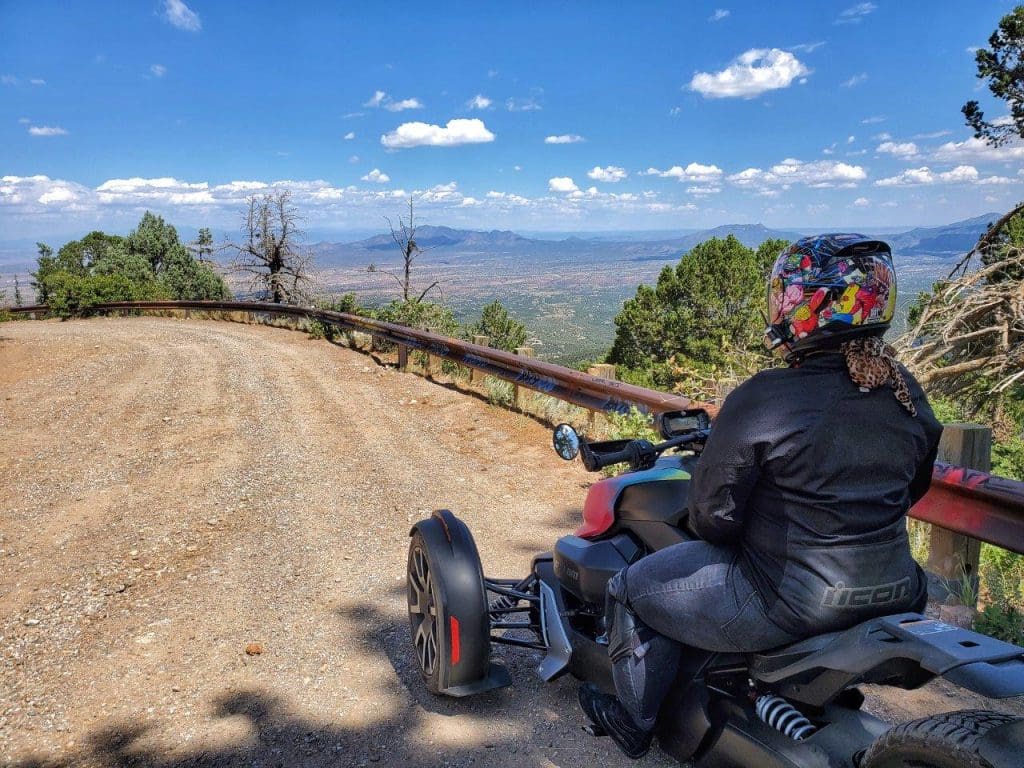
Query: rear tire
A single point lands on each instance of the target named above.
(425, 614)
(449, 618)
(950, 740)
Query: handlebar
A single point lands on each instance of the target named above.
(640, 454)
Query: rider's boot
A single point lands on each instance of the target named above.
(625, 644)
(611, 717)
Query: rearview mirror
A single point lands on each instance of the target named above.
(566, 442)
(675, 423)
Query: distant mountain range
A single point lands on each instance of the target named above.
(957, 238)
(448, 243)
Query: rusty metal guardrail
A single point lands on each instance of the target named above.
(965, 501)
(582, 389)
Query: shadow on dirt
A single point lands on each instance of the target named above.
(278, 738)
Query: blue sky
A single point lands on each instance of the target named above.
(550, 116)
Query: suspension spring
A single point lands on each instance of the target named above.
(783, 717)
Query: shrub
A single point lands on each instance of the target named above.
(70, 294)
(318, 330)
(1004, 623)
(499, 392)
(499, 327)
(634, 425)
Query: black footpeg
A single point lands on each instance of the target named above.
(594, 729)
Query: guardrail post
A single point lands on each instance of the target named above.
(518, 394)
(603, 371)
(403, 358)
(475, 375)
(951, 555)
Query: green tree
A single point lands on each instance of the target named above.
(150, 263)
(156, 240)
(1002, 64)
(702, 316)
(202, 247)
(17, 292)
(503, 331)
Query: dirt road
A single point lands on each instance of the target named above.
(174, 491)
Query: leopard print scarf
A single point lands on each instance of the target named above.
(871, 364)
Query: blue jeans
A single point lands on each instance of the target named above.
(689, 594)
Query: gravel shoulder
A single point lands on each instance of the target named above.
(176, 490)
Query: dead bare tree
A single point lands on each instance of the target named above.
(271, 252)
(405, 239)
(967, 339)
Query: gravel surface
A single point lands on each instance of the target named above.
(202, 554)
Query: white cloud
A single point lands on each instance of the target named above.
(976, 150)
(903, 149)
(57, 195)
(8, 80)
(37, 81)
(855, 80)
(179, 15)
(517, 167)
(381, 99)
(353, 159)
(46, 130)
(924, 175)
(820, 174)
(931, 135)
(158, 70)
(470, 201)
(850, 139)
(610, 174)
(528, 104)
(693, 172)
(703, 190)
(350, 135)
(874, 119)
(377, 177)
(972, 49)
(750, 74)
(996, 180)
(861, 202)
(675, 111)
(399, 106)
(718, 15)
(456, 132)
(855, 13)
(807, 47)
(565, 138)
(479, 102)
(24, 120)
(562, 184)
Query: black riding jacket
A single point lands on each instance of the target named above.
(811, 479)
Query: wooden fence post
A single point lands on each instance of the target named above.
(475, 375)
(951, 555)
(604, 371)
(518, 395)
(403, 358)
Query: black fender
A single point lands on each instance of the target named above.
(465, 629)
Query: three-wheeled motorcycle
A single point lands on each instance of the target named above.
(797, 706)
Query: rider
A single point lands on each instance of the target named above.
(799, 496)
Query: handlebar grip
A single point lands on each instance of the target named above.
(617, 457)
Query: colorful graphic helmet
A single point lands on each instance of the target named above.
(829, 288)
